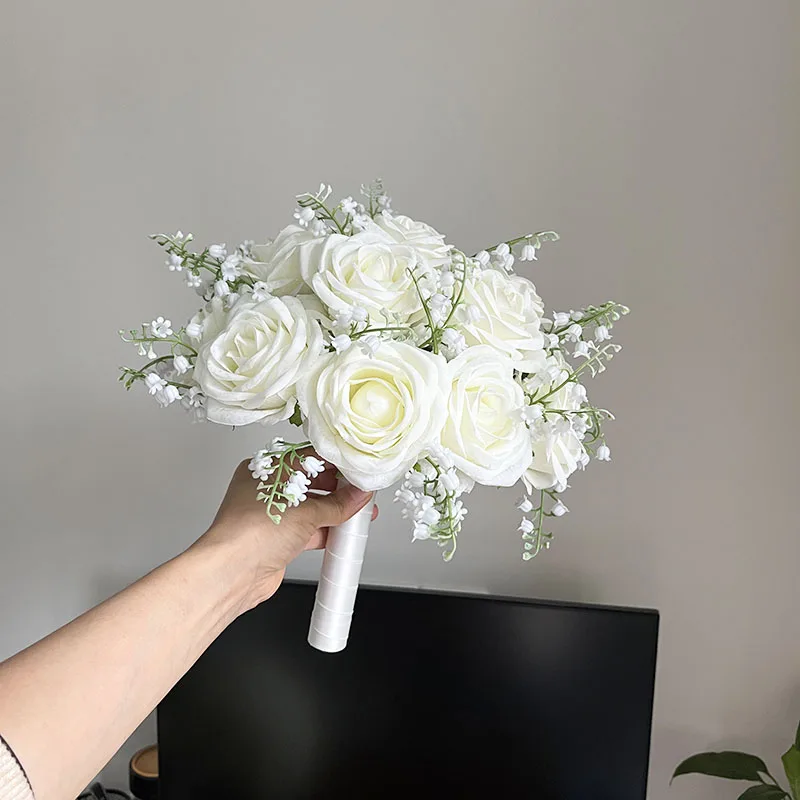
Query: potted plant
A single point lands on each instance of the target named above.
(745, 767)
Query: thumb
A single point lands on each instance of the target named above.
(336, 507)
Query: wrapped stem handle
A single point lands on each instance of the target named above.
(338, 581)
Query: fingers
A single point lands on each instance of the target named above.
(319, 540)
(336, 507)
(325, 481)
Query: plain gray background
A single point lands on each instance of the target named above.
(660, 139)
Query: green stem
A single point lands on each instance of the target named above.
(601, 312)
(452, 538)
(456, 303)
(460, 291)
(574, 374)
(328, 213)
(434, 344)
(538, 527)
(540, 236)
(290, 450)
(378, 330)
(155, 361)
(168, 339)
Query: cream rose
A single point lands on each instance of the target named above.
(373, 416)
(367, 269)
(484, 430)
(556, 455)
(248, 371)
(278, 264)
(427, 241)
(507, 316)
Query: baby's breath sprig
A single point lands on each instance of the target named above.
(502, 255)
(147, 336)
(175, 246)
(603, 317)
(180, 359)
(283, 475)
(534, 239)
(432, 340)
(225, 268)
(429, 495)
(377, 199)
(311, 207)
(460, 267)
(129, 376)
(534, 536)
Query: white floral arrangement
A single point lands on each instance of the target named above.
(401, 357)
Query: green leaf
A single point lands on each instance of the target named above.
(797, 738)
(763, 792)
(727, 764)
(791, 765)
(297, 417)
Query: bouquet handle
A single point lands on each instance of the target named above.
(338, 581)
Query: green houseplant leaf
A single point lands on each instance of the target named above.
(791, 765)
(763, 792)
(727, 764)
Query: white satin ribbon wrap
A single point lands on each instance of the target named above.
(338, 582)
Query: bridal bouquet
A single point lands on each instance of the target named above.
(402, 358)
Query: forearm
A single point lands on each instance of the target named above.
(68, 702)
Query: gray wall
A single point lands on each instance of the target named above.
(659, 138)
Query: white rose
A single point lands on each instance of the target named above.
(248, 371)
(367, 269)
(555, 457)
(484, 432)
(427, 241)
(278, 264)
(508, 318)
(373, 416)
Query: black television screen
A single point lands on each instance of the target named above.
(436, 695)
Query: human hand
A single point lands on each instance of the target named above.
(259, 549)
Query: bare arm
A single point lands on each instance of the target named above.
(68, 702)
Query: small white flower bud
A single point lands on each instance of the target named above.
(560, 319)
(601, 333)
(174, 262)
(559, 509)
(574, 332)
(370, 343)
(341, 343)
(359, 314)
(524, 504)
(181, 364)
(581, 349)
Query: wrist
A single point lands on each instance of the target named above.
(226, 568)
